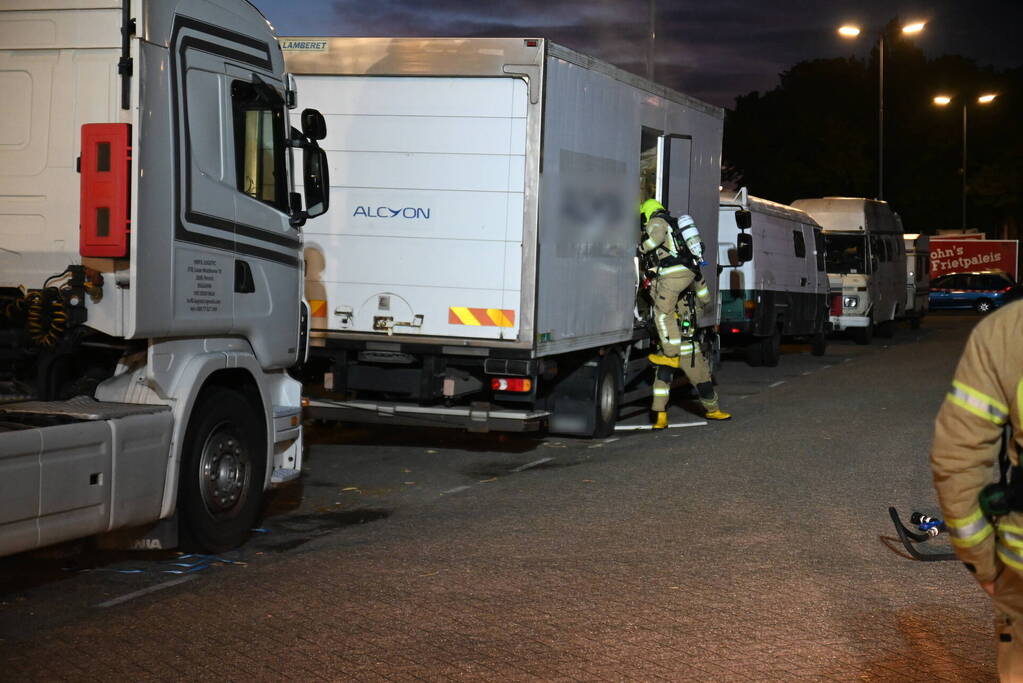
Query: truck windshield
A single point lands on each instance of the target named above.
(845, 253)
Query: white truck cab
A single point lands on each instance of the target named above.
(865, 259)
(150, 268)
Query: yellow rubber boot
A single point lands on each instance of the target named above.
(658, 359)
(718, 415)
(662, 421)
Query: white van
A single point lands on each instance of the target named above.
(772, 281)
(918, 277)
(866, 263)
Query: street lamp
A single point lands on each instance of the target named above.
(853, 31)
(945, 100)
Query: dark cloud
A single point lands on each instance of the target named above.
(712, 50)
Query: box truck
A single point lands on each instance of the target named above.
(150, 269)
(866, 261)
(478, 269)
(779, 288)
(918, 277)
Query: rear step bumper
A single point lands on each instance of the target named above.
(479, 417)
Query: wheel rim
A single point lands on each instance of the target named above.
(224, 471)
(983, 307)
(606, 400)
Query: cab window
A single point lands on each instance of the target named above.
(798, 243)
(259, 143)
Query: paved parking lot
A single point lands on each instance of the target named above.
(757, 549)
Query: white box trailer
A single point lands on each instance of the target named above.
(478, 268)
(866, 261)
(779, 288)
(150, 270)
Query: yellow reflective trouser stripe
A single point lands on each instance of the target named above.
(979, 404)
(1010, 557)
(1011, 540)
(672, 269)
(968, 531)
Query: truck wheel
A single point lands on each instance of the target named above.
(863, 335)
(223, 465)
(771, 352)
(607, 396)
(755, 354)
(818, 344)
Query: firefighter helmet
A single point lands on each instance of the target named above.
(649, 208)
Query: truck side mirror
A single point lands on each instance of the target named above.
(313, 125)
(743, 219)
(317, 181)
(744, 246)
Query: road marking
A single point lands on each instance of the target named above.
(145, 591)
(455, 490)
(541, 461)
(637, 428)
(776, 384)
(847, 360)
(808, 372)
(825, 367)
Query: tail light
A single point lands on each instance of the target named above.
(749, 307)
(836, 304)
(105, 190)
(518, 384)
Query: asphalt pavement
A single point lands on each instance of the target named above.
(755, 549)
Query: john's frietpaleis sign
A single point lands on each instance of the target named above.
(966, 255)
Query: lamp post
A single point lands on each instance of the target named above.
(852, 31)
(944, 101)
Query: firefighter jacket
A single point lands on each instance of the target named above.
(672, 259)
(986, 394)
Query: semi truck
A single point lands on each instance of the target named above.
(479, 268)
(150, 270)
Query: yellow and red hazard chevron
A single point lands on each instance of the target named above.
(317, 308)
(484, 317)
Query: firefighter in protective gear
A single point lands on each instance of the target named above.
(678, 282)
(986, 395)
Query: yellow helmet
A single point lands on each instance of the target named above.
(649, 208)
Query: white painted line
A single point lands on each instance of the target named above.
(808, 372)
(455, 490)
(611, 440)
(638, 428)
(776, 384)
(847, 360)
(145, 591)
(531, 464)
(825, 367)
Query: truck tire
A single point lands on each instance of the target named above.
(223, 466)
(818, 344)
(771, 352)
(755, 354)
(863, 335)
(607, 396)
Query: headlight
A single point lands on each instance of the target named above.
(850, 301)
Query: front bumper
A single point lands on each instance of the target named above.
(846, 322)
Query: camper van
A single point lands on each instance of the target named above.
(918, 277)
(865, 258)
(773, 283)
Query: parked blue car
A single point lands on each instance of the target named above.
(981, 291)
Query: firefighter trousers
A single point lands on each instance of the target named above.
(670, 309)
(1008, 603)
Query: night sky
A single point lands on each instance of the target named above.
(711, 49)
